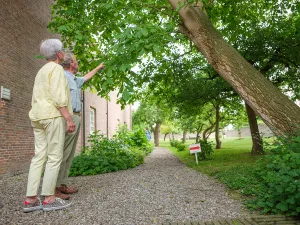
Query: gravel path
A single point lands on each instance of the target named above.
(159, 191)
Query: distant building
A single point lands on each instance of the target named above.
(23, 27)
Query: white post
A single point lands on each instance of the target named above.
(196, 155)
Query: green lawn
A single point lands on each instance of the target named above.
(234, 152)
(269, 186)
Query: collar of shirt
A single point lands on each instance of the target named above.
(70, 74)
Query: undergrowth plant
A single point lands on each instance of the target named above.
(126, 149)
(280, 178)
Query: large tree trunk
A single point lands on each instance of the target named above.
(156, 134)
(184, 135)
(275, 109)
(217, 132)
(257, 143)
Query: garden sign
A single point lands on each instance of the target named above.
(194, 149)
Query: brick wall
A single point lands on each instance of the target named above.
(23, 27)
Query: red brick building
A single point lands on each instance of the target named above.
(23, 27)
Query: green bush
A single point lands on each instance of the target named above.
(206, 149)
(174, 143)
(280, 179)
(126, 149)
(135, 138)
(180, 146)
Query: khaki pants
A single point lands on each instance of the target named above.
(69, 151)
(49, 138)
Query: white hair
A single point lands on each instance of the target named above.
(50, 47)
(68, 59)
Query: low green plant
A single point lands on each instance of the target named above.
(180, 146)
(206, 149)
(126, 149)
(280, 178)
(174, 142)
(245, 180)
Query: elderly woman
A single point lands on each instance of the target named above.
(50, 115)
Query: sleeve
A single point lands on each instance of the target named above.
(80, 81)
(58, 87)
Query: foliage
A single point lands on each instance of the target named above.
(206, 149)
(150, 113)
(280, 178)
(270, 183)
(179, 145)
(245, 180)
(126, 149)
(174, 142)
(169, 127)
(135, 138)
(129, 33)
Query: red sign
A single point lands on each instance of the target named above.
(195, 148)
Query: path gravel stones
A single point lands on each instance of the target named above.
(162, 190)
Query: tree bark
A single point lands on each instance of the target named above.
(217, 132)
(156, 134)
(275, 109)
(257, 143)
(239, 133)
(184, 135)
(165, 136)
(207, 132)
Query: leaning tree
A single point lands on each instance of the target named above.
(124, 33)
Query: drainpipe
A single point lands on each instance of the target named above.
(83, 120)
(107, 118)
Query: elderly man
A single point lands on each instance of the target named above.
(51, 116)
(75, 83)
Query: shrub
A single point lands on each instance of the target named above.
(174, 143)
(126, 149)
(280, 179)
(180, 146)
(135, 138)
(206, 149)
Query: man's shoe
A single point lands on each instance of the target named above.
(67, 190)
(56, 205)
(61, 195)
(30, 207)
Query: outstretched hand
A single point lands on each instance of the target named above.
(101, 66)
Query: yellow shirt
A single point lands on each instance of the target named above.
(50, 92)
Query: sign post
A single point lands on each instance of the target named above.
(194, 149)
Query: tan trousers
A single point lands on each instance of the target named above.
(68, 154)
(49, 138)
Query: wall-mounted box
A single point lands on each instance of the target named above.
(4, 93)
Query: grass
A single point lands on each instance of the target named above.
(268, 186)
(234, 152)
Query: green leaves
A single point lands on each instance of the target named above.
(125, 150)
(126, 95)
(123, 33)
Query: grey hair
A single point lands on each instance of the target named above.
(67, 60)
(50, 47)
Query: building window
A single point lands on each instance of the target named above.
(92, 120)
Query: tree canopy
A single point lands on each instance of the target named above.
(125, 34)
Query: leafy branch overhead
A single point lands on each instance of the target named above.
(136, 40)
